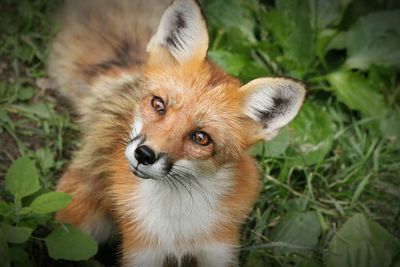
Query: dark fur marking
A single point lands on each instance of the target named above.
(173, 38)
(124, 57)
(180, 20)
(280, 105)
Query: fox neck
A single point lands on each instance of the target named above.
(176, 211)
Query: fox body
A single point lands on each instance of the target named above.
(163, 157)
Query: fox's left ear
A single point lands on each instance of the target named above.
(182, 31)
(273, 103)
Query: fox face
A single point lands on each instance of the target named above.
(193, 118)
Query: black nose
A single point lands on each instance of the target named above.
(145, 155)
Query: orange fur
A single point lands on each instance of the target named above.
(98, 63)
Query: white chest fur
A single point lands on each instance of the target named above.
(175, 213)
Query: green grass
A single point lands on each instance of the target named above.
(340, 157)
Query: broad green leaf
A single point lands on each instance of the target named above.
(26, 93)
(40, 110)
(299, 229)
(375, 39)
(390, 126)
(24, 211)
(5, 209)
(291, 26)
(16, 234)
(311, 135)
(274, 147)
(252, 70)
(297, 204)
(338, 42)
(22, 178)
(231, 63)
(357, 93)
(327, 12)
(362, 242)
(325, 39)
(18, 254)
(50, 202)
(4, 251)
(278, 145)
(236, 14)
(68, 243)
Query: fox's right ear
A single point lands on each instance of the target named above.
(182, 32)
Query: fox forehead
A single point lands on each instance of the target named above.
(202, 93)
(199, 85)
(196, 76)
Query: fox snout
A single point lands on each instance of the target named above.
(145, 155)
(145, 162)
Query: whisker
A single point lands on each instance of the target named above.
(197, 186)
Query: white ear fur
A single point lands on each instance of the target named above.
(273, 102)
(182, 31)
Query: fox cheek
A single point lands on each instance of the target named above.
(273, 103)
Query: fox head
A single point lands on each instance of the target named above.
(194, 118)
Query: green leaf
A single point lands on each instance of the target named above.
(252, 70)
(22, 178)
(4, 251)
(50, 202)
(68, 243)
(40, 110)
(299, 229)
(18, 254)
(290, 24)
(231, 63)
(274, 147)
(357, 93)
(375, 39)
(327, 12)
(278, 145)
(362, 242)
(25, 211)
(5, 209)
(312, 134)
(236, 14)
(390, 126)
(16, 234)
(26, 93)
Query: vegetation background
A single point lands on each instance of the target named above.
(330, 192)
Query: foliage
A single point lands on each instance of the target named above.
(330, 180)
(19, 219)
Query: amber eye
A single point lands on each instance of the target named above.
(201, 138)
(158, 104)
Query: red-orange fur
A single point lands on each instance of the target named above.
(99, 178)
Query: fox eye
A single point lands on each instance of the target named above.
(158, 104)
(201, 138)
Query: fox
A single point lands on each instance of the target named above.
(163, 160)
